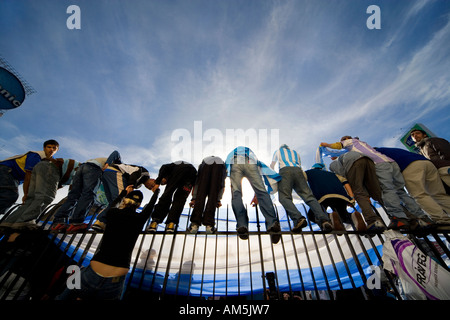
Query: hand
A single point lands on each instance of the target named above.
(155, 187)
(324, 144)
(219, 204)
(130, 188)
(192, 203)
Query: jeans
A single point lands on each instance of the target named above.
(9, 192)
(95, 287)
(292, 178)
(42, 191)
(251, 172)
(81, 197)
(393, 191)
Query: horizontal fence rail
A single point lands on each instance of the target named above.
(310, 265)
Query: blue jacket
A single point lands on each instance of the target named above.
(402, 157)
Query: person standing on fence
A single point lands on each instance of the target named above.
(82, 194)
(293, 178)
(242, 162)
(178, 178)
(359, 171)
(210, 184)
(117, 177)
(105, 276)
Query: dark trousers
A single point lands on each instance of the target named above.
(178, 187)
(364, 182)
(209, 184)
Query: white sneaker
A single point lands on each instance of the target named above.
(193, 228)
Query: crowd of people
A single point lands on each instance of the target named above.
(412, 187)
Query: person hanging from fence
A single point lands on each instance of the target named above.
(242, 162)
(210, 184)
(293, 178)
(178, 178)
(82, 194)
(392, 185)
(117, 177)
(333, 191)
(105, 276)
(17, 170)
(359, 171)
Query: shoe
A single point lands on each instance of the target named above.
(358, 221)
(399, 224)
(302, 222)
(152, 227)
(170, 228)
(77, 227)
(377, 226)
(58, 227)
(336, 222)
(99, 226)
(426, 223)
(193, 228)
(242, 233)
(210, 229)
(327, 227)
(275, 234)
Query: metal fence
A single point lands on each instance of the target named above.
(310, 265)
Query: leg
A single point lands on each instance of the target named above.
(303, 190)
(239, 210)
(285, 188)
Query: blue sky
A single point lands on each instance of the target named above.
(138, 70)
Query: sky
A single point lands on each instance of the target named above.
(161, 81)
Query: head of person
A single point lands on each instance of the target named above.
(345, 138)
(50, 148)
(132, 199)
(318, 166)
(418, 135)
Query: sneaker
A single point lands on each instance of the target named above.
(377, 226)
(193, 228)
(327, 227)
(99, 226)
(302, 222)
(77, 227)
(58, 227)
(336, 222)
(399, 224)
(210, 229)
(358, 221)
(242, 233)
(170, 228)
(152, 227)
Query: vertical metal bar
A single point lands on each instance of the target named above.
(263, 273)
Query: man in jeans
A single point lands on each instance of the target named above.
(242, 162)
(293, 178)
(82, 194)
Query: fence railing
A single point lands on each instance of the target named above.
(310, 265)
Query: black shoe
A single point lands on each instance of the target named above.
(242, 233)
(327, 227)
(302, 222)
